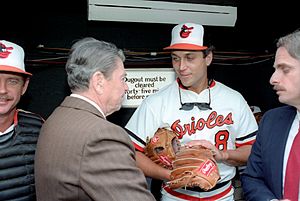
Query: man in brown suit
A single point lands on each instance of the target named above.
(80, 155)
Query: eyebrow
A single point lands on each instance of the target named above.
(283, 65)
(185, 54)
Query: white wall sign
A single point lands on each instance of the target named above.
(145, 81)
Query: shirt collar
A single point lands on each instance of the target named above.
(89, 101)
(9, 129)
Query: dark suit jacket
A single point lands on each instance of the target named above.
(81, 156)
(262, 179)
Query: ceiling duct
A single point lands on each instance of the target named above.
(167, 12)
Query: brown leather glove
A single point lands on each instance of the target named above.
(193, 167)
(162, 147)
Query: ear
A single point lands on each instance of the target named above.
(25, 86)
(208, 58)
(97, 82)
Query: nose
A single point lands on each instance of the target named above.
(3, 87)
(126, 87)
(273, 80)
(182, 64)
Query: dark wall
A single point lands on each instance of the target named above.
(55, 25)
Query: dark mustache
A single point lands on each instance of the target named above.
(5, 97)
(277, 88)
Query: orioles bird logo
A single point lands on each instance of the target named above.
(185, 31)
(4, 51)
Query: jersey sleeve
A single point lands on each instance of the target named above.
(247, 126)
(142, 125)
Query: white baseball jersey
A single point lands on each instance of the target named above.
(228, 125)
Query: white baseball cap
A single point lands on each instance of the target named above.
(12, 58)
(255, 109)
(187, 36)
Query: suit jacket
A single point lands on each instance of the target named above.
(262, 179)
(81, 156)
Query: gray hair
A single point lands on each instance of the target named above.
(292, 43)
(88, 56)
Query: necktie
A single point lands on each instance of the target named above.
(292, 176)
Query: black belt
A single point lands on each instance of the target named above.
(198, 189)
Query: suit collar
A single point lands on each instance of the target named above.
(279, 134)
(89, 101)
(77, 103)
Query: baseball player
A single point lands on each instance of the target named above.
(200, 111)
(257, 113)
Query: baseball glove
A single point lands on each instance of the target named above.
(194, 167)
(162, 147)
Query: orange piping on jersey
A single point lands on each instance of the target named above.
(211, 84)
(137, 147)
(246, 143)
(16, 117)
(192, 198)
